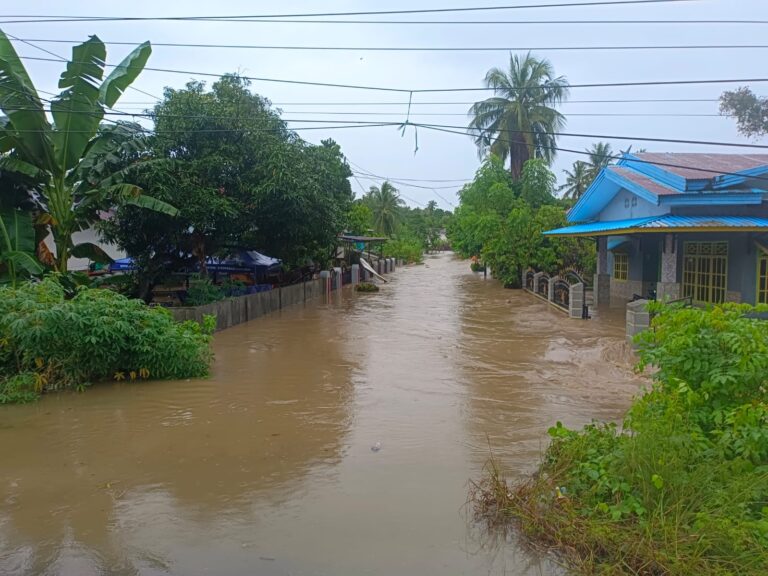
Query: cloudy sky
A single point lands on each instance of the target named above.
(383, 151)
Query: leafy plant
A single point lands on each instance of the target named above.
(366, 287)
(17, 246)
(681, 486)
(202, 291)
(73, 161)
(58, 343)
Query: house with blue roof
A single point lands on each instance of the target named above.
(672, 226)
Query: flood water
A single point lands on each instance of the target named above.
(335, 438)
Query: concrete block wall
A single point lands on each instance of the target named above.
(638, 318)
(233, 311)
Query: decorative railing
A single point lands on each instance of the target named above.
(561, 294)
(543, 286)
(529, 279)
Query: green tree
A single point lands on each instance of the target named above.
(241, 179)
(359, 219)
(520, 121)
(577, 180)
(69, 160)
(600, 156)
(538, 183)
(385, 203)
(749, 109)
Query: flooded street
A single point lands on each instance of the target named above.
(335, 438)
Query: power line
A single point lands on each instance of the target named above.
(363, 124)
(390, 114)
(63, 59)
(423, 48)
(608, 137)
(463, 22)
(405, 103)
(59, 18)
(608, 156)
(435, 90)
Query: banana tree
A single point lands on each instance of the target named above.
(71, 157)
(17, 245)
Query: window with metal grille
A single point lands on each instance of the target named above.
(762, 278)
(705, 271)
(620, 266)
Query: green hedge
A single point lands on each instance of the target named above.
(48, 342)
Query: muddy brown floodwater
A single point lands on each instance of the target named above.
(271, 466)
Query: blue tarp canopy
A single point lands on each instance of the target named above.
(247, 260)
(122, 265)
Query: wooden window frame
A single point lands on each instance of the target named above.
(761, 292)
(705, 271)
(620, 266)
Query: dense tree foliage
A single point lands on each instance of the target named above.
(520, 121)
(749, 109)
(502, 221)
(240, 179)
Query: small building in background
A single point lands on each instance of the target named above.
(671, 226)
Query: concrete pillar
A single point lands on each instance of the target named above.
(336, 278)
(638, 318)
(667, 287)
(536, 281)
(602, 289)
(576, 301)
(551, 291)
(391, 264)
(522, 279)
(355, 274)
(325, 276)
(602, 255)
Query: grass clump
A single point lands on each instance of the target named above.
(50, 342)
(682, 486)
(366, 287)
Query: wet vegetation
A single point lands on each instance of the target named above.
(49, 342)
(500, 221)
(366, 287)
(681, 487)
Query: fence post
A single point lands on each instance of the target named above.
(576, 301)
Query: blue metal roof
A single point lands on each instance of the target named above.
(661, 223)
(598, 227)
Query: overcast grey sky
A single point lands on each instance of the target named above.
(382, 150)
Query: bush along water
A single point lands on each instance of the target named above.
(48, 342)
(682, 486)
(366, 287)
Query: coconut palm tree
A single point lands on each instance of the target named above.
(577, 180)
(71, 159)
(600, 156)
(520, 121)
(385, 204)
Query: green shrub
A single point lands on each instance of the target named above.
(409, 250)
(682, 486)
(19, 389)
(202, 291)
(366, 287)
(94, 336)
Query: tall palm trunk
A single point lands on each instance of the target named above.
(519, 154)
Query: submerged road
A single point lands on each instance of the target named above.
(336, 438)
